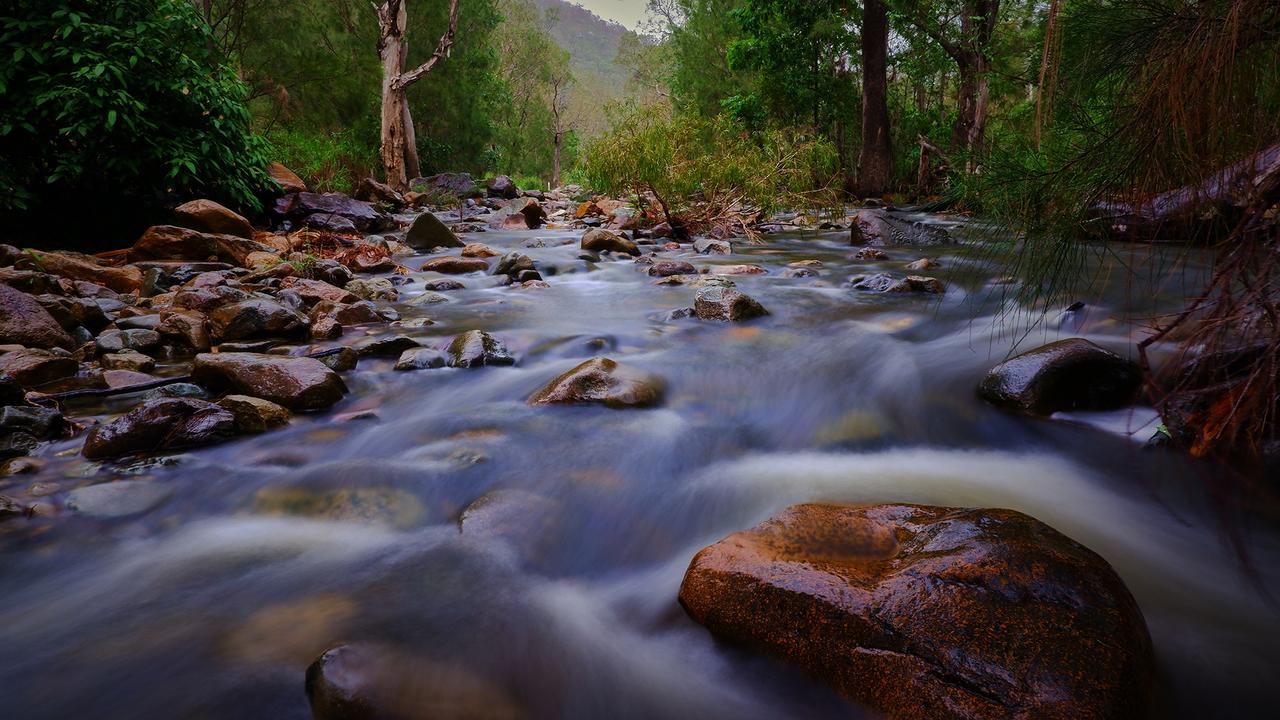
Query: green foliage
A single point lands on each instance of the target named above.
(120, 98)
(326, 160)
(684, 159)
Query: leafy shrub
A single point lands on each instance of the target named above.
(326, 160)
(685, 160)
(119, 99)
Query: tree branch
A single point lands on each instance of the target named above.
(442, 51)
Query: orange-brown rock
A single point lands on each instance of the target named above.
(209, 216)
(169, 242)
(124, 279)
(931, 612)
(287, 179)
(602, 381)
(455, 265)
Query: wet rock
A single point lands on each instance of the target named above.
(457, 184)
(1072, 374)
(877, 226)
(667, 268)
(11, 392)
(710, 246)
(739, 270)
(372, 191)
(189, 327)
(918, 284)
(10, 509)
(502, 186)
(124, 279)
(330, 271)
(23, 321)
(161, 425)
(208, 216)
(373, 289)
(870, 253)
(128, 360)
(717, 303)
(117, 499)
(71, 312)
(373, 505)
(476, 348)
(254, 318)
(313, 291)
(386, 346)
(365, 682)
(597, 240)
(35, 367)
(169, 242)
(255, 415)
(429, 298)
(26, 466)
(800, 272)
(342, 361)
(39, 422)
(116, 379)
(114, 341)
(421, 358)
(444, 285)
(479, 250)
(513, 264)
(530, 523)
(288, 180)
(328, 222)
(879, 282)
(298, 383)
(921, 264)
(602, 381)
(455, 265)
(17, 444)
(188, 390)
(362, 312)
(428, 233)
(364, 216)
(929, 612)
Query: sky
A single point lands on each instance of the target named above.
(627, 13)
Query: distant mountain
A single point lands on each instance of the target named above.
(592, 42)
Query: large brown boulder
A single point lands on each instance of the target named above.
(477, 348)
(83, 267)
(1072, 374)
(33, 367)
(298, 383)
(208, 216)
(931, 612)
(287, 179)
(598, 240)
(455, 265)
(364, 216)
(169, 242)
(878, 226)
(158, 425)
(254, 318)
(24, 321)
(726, 305)
(602, 381)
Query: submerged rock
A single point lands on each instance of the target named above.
(421, 358)
(476, 348)
(298, 383)
(160, 425)
(365, 682)
(603, 381)
(1072, 374)
(724, 304)
(931, 612)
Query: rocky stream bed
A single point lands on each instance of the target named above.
(532, 462)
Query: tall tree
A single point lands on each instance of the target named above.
(561, 124)
(875, 162)
(399, 142)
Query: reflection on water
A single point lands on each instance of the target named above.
(557, 596)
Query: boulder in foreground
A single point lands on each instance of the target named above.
(1072, 374)
(603, 381)
(930, 612)
(297, 383)
(158, 425)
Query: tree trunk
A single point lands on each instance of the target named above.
(555, 160)
(1044, 92)
(395, 112)
(875, 164)
(399, 151)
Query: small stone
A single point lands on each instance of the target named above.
(392, 346)
(709, 246)
(177, 390)
(255, 415)
(373, 289)
(118, 499)
(114, 341)
(918, 284)
(479, 250)
(602, 381)
(342, 361)
(455, 265)
(443, 285)
(298, 383)
(37, 421)
(598, 240)
(477, 348)
(421, 358)
(667, 268)
(870, 253)
(128, 360)
(723, 304)
(921, 264)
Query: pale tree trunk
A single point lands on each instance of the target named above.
(970, 52)
(555, 161)
(399, 151)
(875, 163)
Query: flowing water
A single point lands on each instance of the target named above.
(202, 585)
